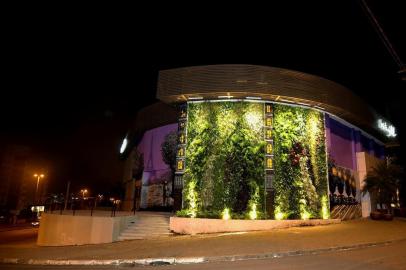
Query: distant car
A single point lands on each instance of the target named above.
(35, 223)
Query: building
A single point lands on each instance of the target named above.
(145, 172)
(255, 142)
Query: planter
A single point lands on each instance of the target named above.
(204, 225)
(376, 215)
(388, 217)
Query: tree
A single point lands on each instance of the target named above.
(382, 182)
(168, 149)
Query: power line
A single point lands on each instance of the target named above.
(384, 39)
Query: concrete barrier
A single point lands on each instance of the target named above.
(204, 225)
(63, 230)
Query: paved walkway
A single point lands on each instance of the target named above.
(348, 233)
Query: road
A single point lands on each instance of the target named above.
(391, 256)
(16, 236)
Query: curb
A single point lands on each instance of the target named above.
(194, 260)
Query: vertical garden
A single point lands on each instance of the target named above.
(300, 180)
(224, 172)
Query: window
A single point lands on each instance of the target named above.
(268, 108)
(268, 121)
(269, 163)
(269, 148)
(180, 165)
(268, 134)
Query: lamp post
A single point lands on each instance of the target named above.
(83, 191)
(38, 176)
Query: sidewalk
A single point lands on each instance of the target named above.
(347, 234)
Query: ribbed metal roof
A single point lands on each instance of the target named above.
(268, 83)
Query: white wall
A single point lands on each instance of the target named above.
(63, 230)
(205, 225)
(365, 162)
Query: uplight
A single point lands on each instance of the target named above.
(253, 212)
(226, 214)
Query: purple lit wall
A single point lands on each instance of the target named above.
(150, 145)
(344, 142)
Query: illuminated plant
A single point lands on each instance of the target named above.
(314, 131)
(191, 199)
(254, 201)
(279, 215)
(300, 163)
(226, 214)
(224, 147)
(304, 214)
(253, 212)
(325, 213)
(225, 150)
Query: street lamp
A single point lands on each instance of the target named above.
(83, 191)
(38, 176)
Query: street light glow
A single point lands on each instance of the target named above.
(38, 176)
(83, 191)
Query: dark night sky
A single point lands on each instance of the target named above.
(73, 84)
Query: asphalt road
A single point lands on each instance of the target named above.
(391, 256)
(25, 235)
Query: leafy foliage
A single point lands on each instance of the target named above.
(225, 161)
(382, 182)
(225, 156)
(168, 149)
(300, 162)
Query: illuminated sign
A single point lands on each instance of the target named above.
(387, 128)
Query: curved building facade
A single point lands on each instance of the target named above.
(260, 142)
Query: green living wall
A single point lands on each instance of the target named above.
(300, 180)
(224, 175)
(225, 158)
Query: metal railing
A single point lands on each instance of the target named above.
(83, 204)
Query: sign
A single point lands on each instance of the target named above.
(387, 128)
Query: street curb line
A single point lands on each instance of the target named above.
(194, 260)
